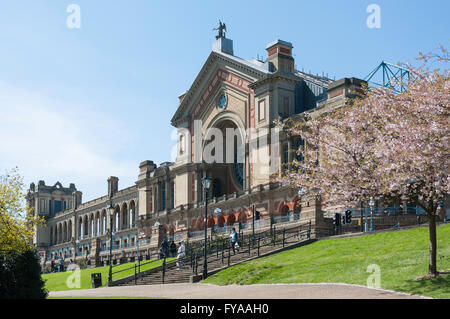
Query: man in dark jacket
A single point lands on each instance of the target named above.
(173, 249)
(165, 246)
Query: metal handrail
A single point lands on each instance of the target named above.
(131, 267)
(270, 237)
(220, 247)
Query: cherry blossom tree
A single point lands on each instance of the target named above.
(384, 145)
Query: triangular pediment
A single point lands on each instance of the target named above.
(218, 69)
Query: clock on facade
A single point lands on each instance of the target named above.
(222, 101)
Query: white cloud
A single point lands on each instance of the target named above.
(57, 140)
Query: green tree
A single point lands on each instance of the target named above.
(17, 223)
(20, 273)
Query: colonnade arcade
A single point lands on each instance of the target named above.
(94, 224)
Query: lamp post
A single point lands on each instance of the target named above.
(77, 242)
(138, 253)
(253, 223)
(371, 204)
(111, 234)
(206, 183)
(361, 216)
(365, 221)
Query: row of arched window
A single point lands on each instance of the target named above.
(95, 224)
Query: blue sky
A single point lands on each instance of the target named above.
(79, 105)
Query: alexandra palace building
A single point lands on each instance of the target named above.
(229, 92)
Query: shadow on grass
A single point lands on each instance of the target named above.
(438, 287)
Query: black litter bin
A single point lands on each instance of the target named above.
(96, 280)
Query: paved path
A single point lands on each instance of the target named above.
(207, 291)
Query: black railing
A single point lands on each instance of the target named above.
(219, 248)
(137, 266)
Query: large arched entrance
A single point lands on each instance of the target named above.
(227, 171)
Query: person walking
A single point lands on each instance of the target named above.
(234, 241)
(61, 265)
(165, 246)
(173, 249)
(161, 253)
(181, 254)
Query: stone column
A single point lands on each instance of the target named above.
(157, 236)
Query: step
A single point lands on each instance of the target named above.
(184, 275)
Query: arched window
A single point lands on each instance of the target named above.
(131, 218)
(86, 226)
(163, 196)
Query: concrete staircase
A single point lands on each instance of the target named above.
(221, 259)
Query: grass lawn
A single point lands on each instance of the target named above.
(402, 257)
(57, 281)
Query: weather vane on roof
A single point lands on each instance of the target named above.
(222, 27)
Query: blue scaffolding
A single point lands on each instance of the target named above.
(387, 75)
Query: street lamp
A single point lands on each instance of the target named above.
(365, 220)
(206, 183)
(361, 215)
(253, 223)
(138, 253)
(111, 234)
(77, 242)
(371, 204)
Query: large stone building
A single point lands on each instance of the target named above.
(228, 93)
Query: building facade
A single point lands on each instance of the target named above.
(226, 131)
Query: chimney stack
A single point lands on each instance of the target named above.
(279, 55)
(113, 185)
(347, 87)
(145, 169)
